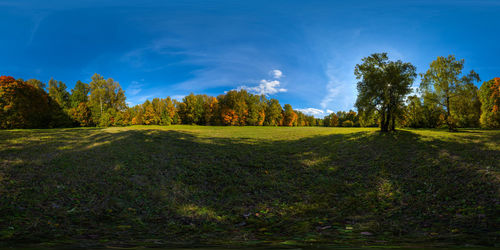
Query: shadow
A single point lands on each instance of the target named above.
(161, 186)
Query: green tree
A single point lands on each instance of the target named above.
(58, 92)
(414, 112)
(98, 95)
(106, 96)
(444, 78)
(37, 83)
(256, 109)
(466, 109)
(191, 109)
(79, 94)
(382, 87)
(273, 113)
(433, 113)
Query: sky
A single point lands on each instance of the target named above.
(299, 52)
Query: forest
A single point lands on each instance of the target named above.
(447, 98)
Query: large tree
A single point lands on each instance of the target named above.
(467, 109)
(58, 92)
(382, 87)
(444, 78)
(24, 105)
(191, 109)
(289, 116)
(79, 94)
(106, 98)
(37, 83)
(489, 94)
(273, 113)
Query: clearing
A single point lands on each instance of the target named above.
(154, 186)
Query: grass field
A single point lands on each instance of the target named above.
(156, 186)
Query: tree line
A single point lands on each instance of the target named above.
(446, 98)
(27, 104)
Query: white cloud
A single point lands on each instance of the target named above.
(312, 111)
(134, 88)
(265, 88)
(276, 73)
(318, 113)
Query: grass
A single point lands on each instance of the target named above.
(155, 186)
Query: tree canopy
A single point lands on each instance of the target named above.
(445, 80)
(383, 87)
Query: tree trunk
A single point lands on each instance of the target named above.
(451, 126)
(393, 125)
(100, 100)
(383, 126)
(388, 120)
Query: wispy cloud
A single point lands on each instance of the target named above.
(37, 19)
(134, 100)
(340, 89)
(134, 88)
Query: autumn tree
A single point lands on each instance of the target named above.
(289, 116)
(210, 110)
(150, 117)
(382, 87)
(350, 116)
(331, 120)
(82, 115)
(234, 107)
(444, 78)
(25, 105)
(489, 94)
(170, 112)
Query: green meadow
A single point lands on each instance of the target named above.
(245, 186)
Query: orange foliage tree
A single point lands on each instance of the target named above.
(495, 95)
(23, 105)
(82, 115)
(489, 95)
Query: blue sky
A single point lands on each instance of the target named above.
(300, 52)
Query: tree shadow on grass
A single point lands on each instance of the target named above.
(177, 186)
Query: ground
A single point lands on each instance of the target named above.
(152, 185)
